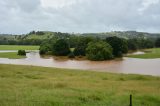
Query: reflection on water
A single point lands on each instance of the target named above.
(126, 65)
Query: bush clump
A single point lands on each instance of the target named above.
(99, 51)
(119, 45)
(21, 52)
(61, 48)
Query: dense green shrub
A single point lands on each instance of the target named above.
(99, 51)
(61, 48)
(145, 43)
(119, 45)
(80, 49)
(132, 44)
(21, 52)
(44, 48)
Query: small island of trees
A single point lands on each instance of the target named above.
(94, 48)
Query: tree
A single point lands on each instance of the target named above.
(144, 43)
(81, 46)
(32, 32)
(39, 33)
(132, 44)
(61, 48)
(119, 45)
(157, 44)
(44, 48)
(148, 43)
(47, 45)
(99, 51)
(21, 52)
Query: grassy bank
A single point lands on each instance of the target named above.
(11, 55)
(149, 54)
(38, 86)
(18, 47)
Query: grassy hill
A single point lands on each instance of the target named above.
(47, 35)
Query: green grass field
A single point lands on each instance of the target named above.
(18, 47)
(149, 54)
(38, 86)
(11, 55)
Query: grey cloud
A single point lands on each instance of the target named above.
(21, 16)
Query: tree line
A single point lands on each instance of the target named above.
(94, 48)
(21, 42)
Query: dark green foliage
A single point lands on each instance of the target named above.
(73, 41)
(132, 44)
(21, 42)
(99, 51)
(29, 42)
(21, 52)
(157, 44)
(61, 48)
(40, 33)
(71, 55)
(44, 48)
(32, 32)
(62, 35)
(140, 43)
(119, 45)
(47, 45)
(149, 43)
(80, 49)
(145, 43)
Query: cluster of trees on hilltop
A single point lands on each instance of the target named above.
(36, 33)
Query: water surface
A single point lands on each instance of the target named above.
(125, 65)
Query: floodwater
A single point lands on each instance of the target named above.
(125, 65)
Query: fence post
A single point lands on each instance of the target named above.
(130, 100)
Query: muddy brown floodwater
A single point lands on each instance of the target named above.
(125, 65)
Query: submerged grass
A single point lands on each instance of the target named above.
(38, 86)
(149, 54)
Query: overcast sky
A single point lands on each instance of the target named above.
(23, 16)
